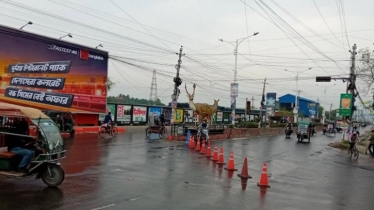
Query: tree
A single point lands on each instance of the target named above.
(126, 99)
(320, 111)
(365, 70)
(110, 84)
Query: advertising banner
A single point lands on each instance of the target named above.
(226, 117)
(167, 113)
(214, 117)
(178, 117)
(233, 103)
(234, 89)
(219, 116)
(156, 110)
(270, 99)
(139, 114)
(188, 116)
(124, 114)
(51, 74)
(345, 109)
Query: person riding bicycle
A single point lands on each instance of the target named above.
(353, 140)
(107, 120)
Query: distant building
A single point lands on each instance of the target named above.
(307, 107)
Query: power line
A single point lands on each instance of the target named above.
(138, 23)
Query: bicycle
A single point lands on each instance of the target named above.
(112, 130)
(353, 151)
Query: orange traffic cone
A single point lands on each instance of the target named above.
(231, 166)
(208, 152)
(264, 178)
(221, 160)
(197, 148)
(190, 142)
(202, 151)
(244, 174)
(192, 146)
(215, 154)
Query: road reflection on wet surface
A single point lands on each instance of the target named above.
(130, 172)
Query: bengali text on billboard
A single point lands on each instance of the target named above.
(124, 114)
(51, 74)
(139, 114)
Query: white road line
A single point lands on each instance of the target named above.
(103, 207)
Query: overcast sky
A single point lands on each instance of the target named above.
(146, 35)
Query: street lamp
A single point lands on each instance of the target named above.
(297, 73)
(236, 45)
(324, 91)
(29, 23)
(69, 35)
(100, 45)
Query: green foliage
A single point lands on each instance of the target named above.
(126, 99)
(110, 84)
(247, 125)
(284, 112)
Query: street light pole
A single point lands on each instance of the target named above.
(233, 97)
(324, 91)
(296, 109)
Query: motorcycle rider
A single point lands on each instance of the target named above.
(204, 128)
(288, 127)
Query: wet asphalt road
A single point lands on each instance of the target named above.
(129, 172)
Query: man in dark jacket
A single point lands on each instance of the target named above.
(162, 119)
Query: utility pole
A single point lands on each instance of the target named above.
(235, 84)
(352, 81)
(263, 99)
(253, 103)
(330, 112)
(296, 109)
(177, 83)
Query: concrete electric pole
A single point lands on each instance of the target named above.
(177, 83)
(262, 99)
(352, 81)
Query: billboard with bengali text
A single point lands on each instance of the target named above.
(139, 114)
(124, 114)
(50, 74)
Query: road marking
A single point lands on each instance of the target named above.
(103, 207)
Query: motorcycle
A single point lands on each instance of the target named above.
(288, 132)
(313, 131)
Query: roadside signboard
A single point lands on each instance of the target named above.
(51, 74)
(345, 109)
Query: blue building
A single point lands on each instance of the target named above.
(307, 107)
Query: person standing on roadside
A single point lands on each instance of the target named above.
(371, 144)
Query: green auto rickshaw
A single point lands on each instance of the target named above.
(303, 130)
